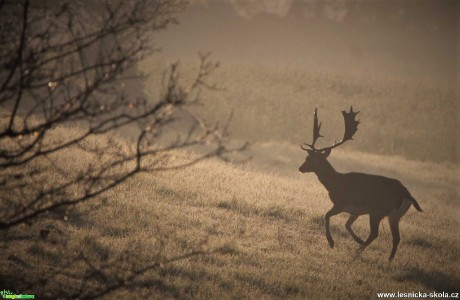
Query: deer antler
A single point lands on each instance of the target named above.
(316, 133)
(351, 126)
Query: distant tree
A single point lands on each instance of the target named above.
(62, 66)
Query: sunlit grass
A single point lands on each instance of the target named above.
(268, 228)
(260, 224)
(414, 118)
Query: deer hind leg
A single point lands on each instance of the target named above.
(350, 222)
(393, 220)
(334, 211)
(374, 224)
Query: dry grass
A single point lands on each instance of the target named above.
(254, 234)
(218, 231)
(414, 118)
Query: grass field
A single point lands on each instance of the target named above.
(255, 230)
(243, 232)
(406, 116)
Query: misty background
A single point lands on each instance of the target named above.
(158, 211)
(388, 38)
(395, 61)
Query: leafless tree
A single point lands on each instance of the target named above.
(63, 67)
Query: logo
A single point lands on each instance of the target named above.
(6, 294)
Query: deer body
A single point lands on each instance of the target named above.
(358, 193)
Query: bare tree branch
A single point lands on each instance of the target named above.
(62, 92)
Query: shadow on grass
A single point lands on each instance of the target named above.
(274, 289)
(135, 279)
(432, 280)
(319, 223)
(420, 242)
(94, 272)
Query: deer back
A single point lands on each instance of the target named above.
(361, 193)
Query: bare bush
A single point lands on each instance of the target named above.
(63, 68)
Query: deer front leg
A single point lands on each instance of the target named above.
(374, 224)
(334, 211)
(350, 221)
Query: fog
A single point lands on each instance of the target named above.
(117, 179)
(395, 61)
(390, 38)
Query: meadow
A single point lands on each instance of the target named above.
(411, 116)
(255, 230)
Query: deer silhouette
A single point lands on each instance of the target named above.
(357, 193)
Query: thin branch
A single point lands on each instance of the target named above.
(18, 63)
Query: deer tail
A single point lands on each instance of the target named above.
(415, 204)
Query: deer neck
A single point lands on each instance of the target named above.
(327, 175)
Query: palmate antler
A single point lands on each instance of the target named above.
(351, 126)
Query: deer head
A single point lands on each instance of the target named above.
(317, 157)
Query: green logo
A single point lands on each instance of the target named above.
(6, 294)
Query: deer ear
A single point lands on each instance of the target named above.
(326, 152)
(310, 152)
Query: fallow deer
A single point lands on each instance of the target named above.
(357, 193)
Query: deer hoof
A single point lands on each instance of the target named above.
(331, 243)
(360, 241)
